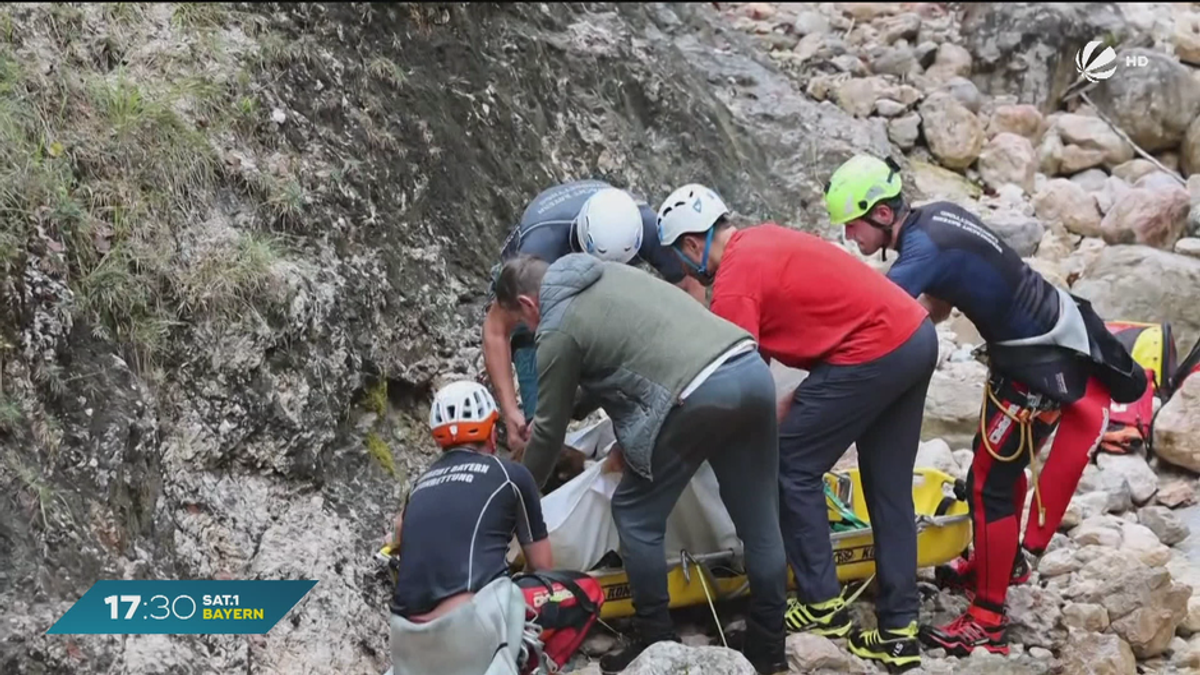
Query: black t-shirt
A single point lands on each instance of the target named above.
(947, 252)
(547, 229)
(458, 523)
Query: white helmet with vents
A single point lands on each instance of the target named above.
(609, 226)
(690, 209)
(463, 412)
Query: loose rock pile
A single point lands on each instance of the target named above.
(1069, 186)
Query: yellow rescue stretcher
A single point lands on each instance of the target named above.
(943, 533)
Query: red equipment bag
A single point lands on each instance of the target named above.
(565, 604)
(1152, 345)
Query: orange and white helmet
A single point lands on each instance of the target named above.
(463, 412)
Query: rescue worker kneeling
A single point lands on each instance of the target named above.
(455, 610)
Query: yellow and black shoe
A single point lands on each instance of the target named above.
(899, 649)
(830, 618)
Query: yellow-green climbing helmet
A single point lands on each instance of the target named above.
(858, 185)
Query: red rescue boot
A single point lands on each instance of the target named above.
(977, 627)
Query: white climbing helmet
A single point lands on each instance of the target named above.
(691, 208)
(609, 226)
(462, 412)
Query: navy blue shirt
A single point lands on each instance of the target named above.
(547, 229)
(946, 251)
(457, 526)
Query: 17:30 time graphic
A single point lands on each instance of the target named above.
(180, 607)
(168, 606)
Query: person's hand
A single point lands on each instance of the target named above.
(614, 462)
(518, 434)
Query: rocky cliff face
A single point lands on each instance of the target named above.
(240, 243)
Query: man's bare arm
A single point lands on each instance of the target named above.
(395, 543)
(538, 555)
(498, 361)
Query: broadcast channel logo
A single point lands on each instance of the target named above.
(1094, 66)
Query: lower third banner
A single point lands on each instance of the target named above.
(198, 607)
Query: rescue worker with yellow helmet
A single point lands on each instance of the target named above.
(1052, 364)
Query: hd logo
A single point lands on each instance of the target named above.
(1096, 66)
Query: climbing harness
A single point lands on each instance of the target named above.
(1023, 417)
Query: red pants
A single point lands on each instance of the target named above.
(997, 487)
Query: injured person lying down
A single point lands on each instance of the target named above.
(701, 536)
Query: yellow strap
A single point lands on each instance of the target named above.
(1024, 421)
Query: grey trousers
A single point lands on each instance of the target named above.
(879, 406)
(730, 422)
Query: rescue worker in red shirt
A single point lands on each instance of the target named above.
(870, 350)
(1051, 361)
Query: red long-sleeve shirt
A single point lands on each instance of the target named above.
(808, 301)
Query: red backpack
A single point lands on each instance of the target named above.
(565, 605)
(1152, 345)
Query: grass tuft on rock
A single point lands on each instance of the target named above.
(109, 177)
(378, 449)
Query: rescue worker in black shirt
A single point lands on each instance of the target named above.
(583, 216)
(453, 536)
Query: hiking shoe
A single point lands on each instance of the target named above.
(620, 660)
(897, 649)
(959, 574)
(830, 618)
(961, 636)
(766, 651)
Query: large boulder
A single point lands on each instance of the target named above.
(954, 133)
(904, 130)
(1177, 427)
(1165, 524)
(1143, 483)
(1094, 653)
(673, 657)
(1140, 283)
(1110, 193)
(1027, 50)
(934, 183)
(1155, 103)
(807, 652)
(1064, 203)
(1150, 216)
(951, 61)
(1187, 37)
(1021, 232)
(1144, 603)
(1088, 141)
(1134, 169)
(1008, 158)
(1021, 119)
